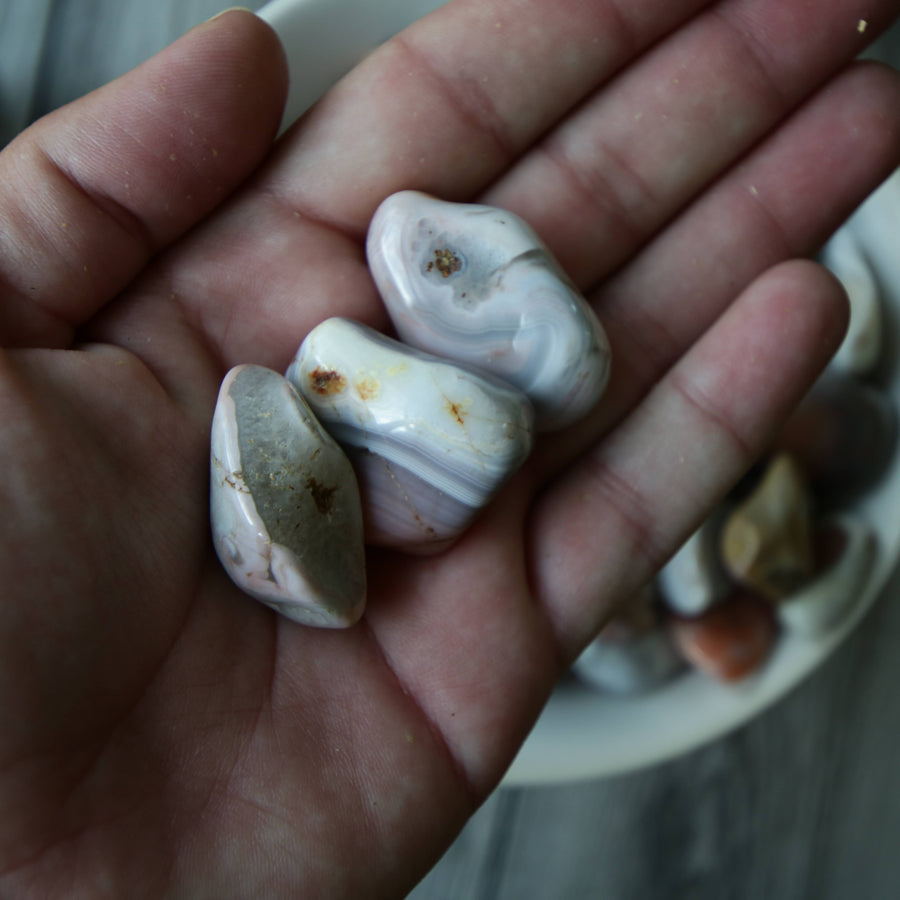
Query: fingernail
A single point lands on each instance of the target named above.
(230, 10)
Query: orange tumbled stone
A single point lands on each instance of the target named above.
(730, 640)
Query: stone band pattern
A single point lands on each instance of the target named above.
(371, 440)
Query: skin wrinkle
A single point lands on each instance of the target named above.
(452, 696)
(374, 811)
(138, 132)
(433, 727)
(128, 144)
(457, 766)
(202, 305)
(77, 836)
(126, 712)
(88, 820)
(126, 220)
(271, 194)
(757, 55)
(241, 753)
(597, 190)
(643, 348)
(710, 412)
(774, 227)
(631, 508)
(472, 106)
(318, 132)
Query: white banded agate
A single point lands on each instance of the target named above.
(284, 504)
(475, 284)
(431, 442)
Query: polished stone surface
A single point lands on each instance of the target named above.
(431, 442)
(284, 503)
(475, 284)
(767, 539)
(694, 578)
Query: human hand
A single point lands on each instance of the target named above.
(162, 734)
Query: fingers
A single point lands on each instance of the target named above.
(614, 173)
(472, 87)
(616, 515)
(92, 191)
(450, 102)
(443, 108)
(413, 115)
(783, 201)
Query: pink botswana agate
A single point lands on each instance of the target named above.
(476, 285)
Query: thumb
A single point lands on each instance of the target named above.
(89, 193)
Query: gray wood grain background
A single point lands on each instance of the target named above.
(804, 802)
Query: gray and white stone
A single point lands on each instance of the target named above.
(629, 667)
(633, 653)
(284, 503)
(694, 578)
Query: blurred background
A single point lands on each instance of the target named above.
(801, 802)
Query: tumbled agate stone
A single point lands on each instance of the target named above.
(632, 653)
(730, 640)
(285, 506)
(694, 579)
(629, 667)
(475, 284)
(766, 541)
(431, 442)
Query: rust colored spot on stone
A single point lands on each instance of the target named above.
(322, 496)
(456, 411)
(368, 388)
(446, 262)
(327, 381)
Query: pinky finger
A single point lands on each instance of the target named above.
(607, 524)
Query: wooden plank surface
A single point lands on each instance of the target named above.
(804, 802)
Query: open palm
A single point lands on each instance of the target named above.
(162, 734)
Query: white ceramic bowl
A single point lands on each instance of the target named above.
(583, 733)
